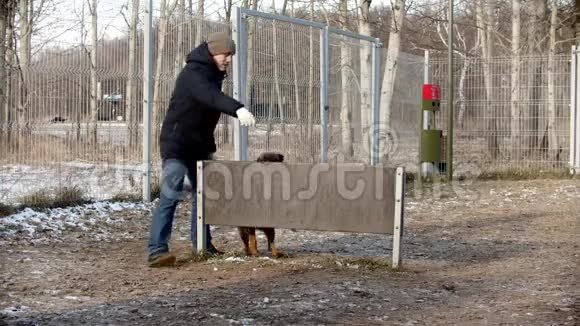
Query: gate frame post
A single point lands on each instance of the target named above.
(239, 80)
(574, 114)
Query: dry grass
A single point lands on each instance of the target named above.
(6, 210)
(355, 263)
(62, 197)
(524, 174)
(49, 148)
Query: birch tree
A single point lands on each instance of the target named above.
(462, 49)
(179, 59)
(364, 28)
(577, 21)
(250, 56)
(553, 146)
(391, 64)
(200, 15)
(515, 76)
(9, 61)
(26, 17)
(166, 12)
(295, 58)
(536, 10)
(276, 75)
(131, 105)
(345, 114)
(486, 25)
(6, 17)
(93, 55)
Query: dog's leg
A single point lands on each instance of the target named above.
(271, 235)
(245, 235)
(253, 242)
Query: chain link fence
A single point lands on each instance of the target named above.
(508, 117)
(68, 120)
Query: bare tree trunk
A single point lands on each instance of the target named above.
(551, 127)
(577, 21)
(364, 28)
(199, 29)
(131, 107)
(515, 78)
(391, 64)
(485, 21)
(229, 15)
(537, 12)
(81, 90)
(24, 62)
(180, 56)
(93, 54)
(311, 100)
(296, 87)
(250, 55)
(161, 35)
(6, 13)
(461, 91)
(9, 60)
(277, 85)
(345, 114)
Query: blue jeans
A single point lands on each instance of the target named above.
(173, 174)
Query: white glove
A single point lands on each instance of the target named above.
(246, 117)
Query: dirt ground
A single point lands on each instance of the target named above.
(488, 253)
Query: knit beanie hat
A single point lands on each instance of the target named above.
(221, 43)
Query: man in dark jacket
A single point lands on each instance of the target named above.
(187, 136)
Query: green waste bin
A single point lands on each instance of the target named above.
(431, 145)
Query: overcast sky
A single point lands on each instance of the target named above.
(63, 26)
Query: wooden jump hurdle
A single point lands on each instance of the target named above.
(324, 197)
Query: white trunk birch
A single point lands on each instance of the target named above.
(93, 69)
(345, 114)
(391, 65)
(551, 128)
(161, 36)
(199, 20)
(26, 16)
(515, 77)
(364, 28)
(131, 105)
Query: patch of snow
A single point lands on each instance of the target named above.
(38, 226)
(98, 181)
(10, 311)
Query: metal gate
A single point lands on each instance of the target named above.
(291, 74)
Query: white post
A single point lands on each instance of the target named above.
(201, 234)
(576, 116)
(426, 167)
(572, 108)
(376, 101)
(239, 79)
(147, 101)
(399, 215)
(324, 72)
(574, 113)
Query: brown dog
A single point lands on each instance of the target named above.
(248, 234)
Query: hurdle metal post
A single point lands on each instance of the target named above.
(201, 230)
(399, 216)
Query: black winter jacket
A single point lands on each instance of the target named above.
(195, 107)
